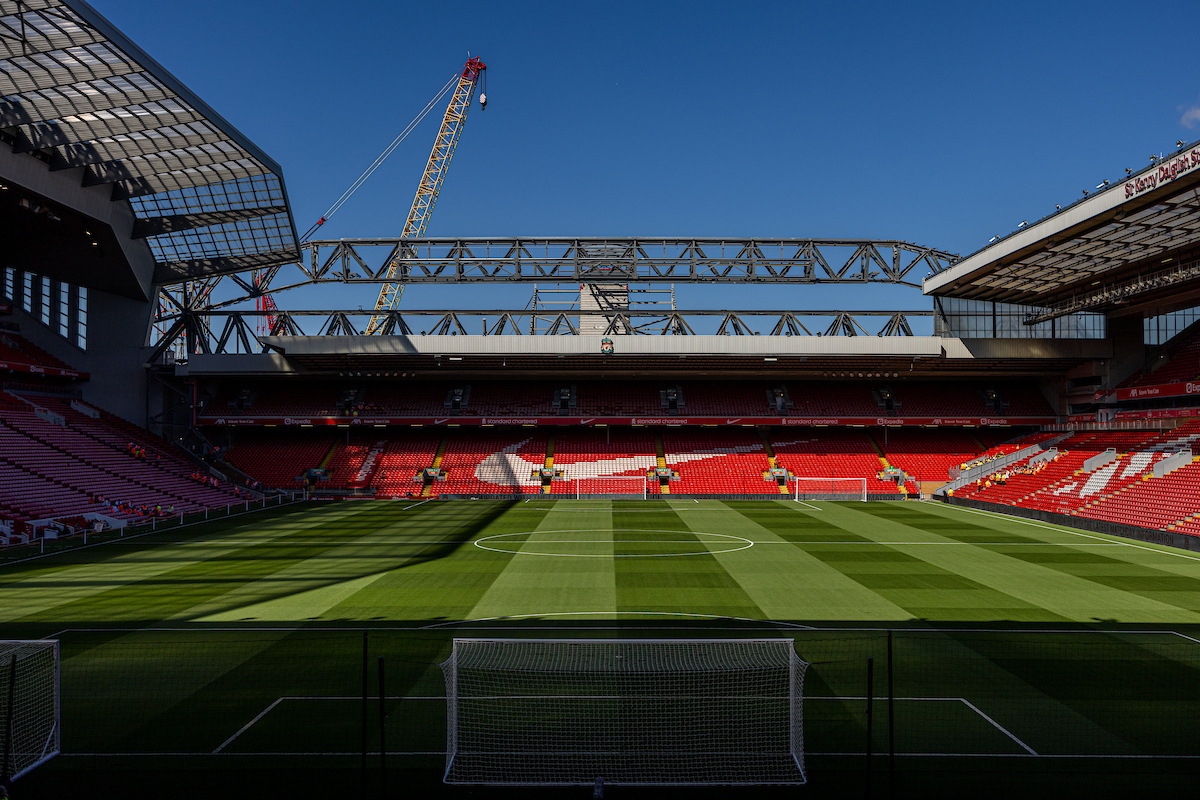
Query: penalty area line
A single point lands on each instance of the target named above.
(250, 724)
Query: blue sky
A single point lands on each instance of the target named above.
(938, 123)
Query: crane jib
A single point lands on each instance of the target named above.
(429, 187)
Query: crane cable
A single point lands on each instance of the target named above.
(382, 157)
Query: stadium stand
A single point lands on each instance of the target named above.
(833, 453)
(18, 350)
(717, 461)
(59, 461)
(592, 453)
(928, 455)
(405, 456)
(278, 461)
(487, 462)
(1120, 487)
(1183, 364)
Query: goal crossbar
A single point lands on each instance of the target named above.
(818, 488)
(610, 486)
(565, 712)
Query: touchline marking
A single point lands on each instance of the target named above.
(1073, 533)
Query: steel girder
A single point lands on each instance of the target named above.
(632, 260)
(230, 331)
(575, 260)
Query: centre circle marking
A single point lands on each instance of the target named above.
(735, 543)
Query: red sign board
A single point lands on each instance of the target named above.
(890, 422)
(36, 369)
(1158, 413)
(1181, 389)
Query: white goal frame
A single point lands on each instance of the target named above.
(35, 719)
(858, 492)
(580, 487)
(634, 712)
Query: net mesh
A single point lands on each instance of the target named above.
(30, 733)
(629, 486)
(805, 488)
(629, 711)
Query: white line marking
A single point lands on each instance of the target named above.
(814, 508)
(763, 625)
(998, 726)
(423, 502)
(426, 542)
(500, 537)
(247, 726)
(617, 613)
(260, 755)
(442, 753)
(1008, 518)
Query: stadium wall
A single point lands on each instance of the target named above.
(116, 334)
(1151, 535)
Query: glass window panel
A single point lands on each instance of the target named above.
(81, 318)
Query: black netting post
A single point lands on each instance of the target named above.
(891, 721)
(870, 717)
(10, 713)
(382, 740)
(365, 675)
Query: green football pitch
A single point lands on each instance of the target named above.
(1024, 656)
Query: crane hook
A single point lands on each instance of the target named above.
(483, 100)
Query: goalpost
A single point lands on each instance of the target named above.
(29, 702)
(568, 712)
(611, 486)
(829, 488)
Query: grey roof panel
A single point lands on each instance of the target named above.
(73, 86)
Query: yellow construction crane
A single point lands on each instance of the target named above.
(431, 183)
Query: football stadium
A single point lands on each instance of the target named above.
(605, 542)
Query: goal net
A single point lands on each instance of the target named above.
(612, 486)
(630, 711)
(29, 705)
(829, 488)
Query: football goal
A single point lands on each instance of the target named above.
(627, 711)
(611, 486)
(829, 488)
(29, 704)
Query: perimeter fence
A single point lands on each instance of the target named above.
(955, 693)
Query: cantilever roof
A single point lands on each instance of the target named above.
(76, 90)
(1124, 229)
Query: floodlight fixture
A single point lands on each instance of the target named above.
(1153, 158)
(1102, 184)
(1024, 222)
(993, 239)
(1180, 144)
(1128, 171)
